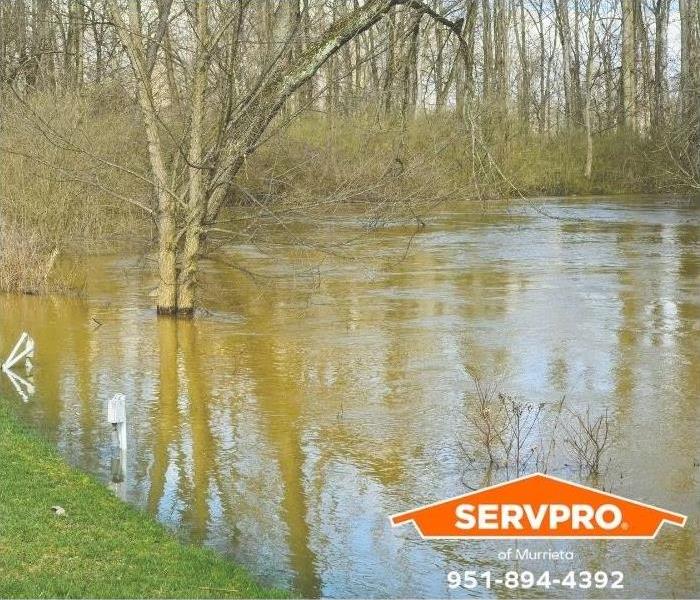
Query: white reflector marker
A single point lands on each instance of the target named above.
(23, 350)
(116, 416)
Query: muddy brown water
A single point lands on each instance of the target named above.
(284, 426)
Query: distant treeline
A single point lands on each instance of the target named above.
(553, 63)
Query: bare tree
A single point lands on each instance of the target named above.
(592, 16)
(189, 214)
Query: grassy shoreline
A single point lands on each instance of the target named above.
(102, 547)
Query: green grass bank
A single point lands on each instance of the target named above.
(102, 547)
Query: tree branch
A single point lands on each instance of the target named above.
(253, 116)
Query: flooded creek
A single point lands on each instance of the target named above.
(284, 425)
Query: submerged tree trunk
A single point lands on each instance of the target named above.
(131, 36)
(196, 202)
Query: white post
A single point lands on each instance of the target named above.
(116, 415)
(16, 355)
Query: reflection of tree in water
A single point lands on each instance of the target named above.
(277, 370)
(165, 421)
(184, 442)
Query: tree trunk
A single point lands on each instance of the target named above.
(438, 69)
(74, 44)
(661, 13)
(487, 44)
(643, 104)
(564, 30)
(410, 71)
(388, 86)
(500, 39)
(519, 30)
(195, 207)
(592, 18)
(629, 76)
(131, 36)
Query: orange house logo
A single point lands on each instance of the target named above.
(538, 506)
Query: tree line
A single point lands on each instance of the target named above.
(628, 62)
(210, 76)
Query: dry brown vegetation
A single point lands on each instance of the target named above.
(57, 199)
(439, 156)
(75, 172)
(59, 175)
(588, 439)
(30, 265)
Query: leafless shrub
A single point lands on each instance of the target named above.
(517, 441)
(55, 168)
(28, 264)
(486, 420)
(504, 426)
(517, 436)
(588, 440)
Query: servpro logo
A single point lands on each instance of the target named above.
(538, 506)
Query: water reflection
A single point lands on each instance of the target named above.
(284, 427)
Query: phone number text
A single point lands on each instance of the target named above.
(527, 579)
